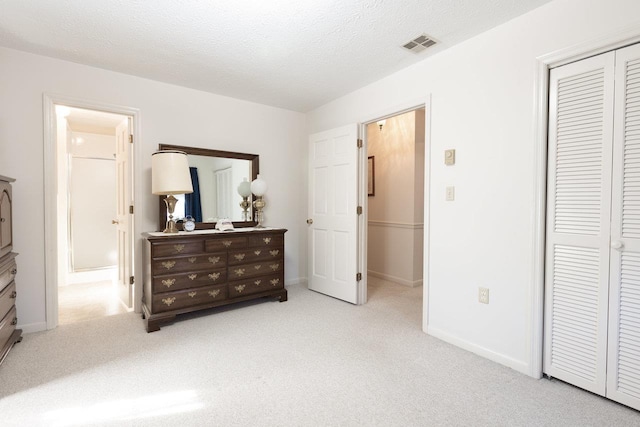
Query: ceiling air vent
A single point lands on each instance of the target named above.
(419, 44)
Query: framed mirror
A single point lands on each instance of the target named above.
(215, 176)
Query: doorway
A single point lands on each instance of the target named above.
(395, 205)
(94, 181)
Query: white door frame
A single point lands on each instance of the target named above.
(544, 63)
(49, 102)
(424, 102)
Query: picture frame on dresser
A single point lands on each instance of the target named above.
(9, 334)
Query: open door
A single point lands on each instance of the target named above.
(124, 217)
(333, 214)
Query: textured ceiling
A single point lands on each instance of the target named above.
(294, 54)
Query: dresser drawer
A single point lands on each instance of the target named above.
(176, 282)
(176, 248)
(225, 242)
(255, 269)
(7, 274)
(254, 254)
(189, 263)
(7, 326)
(267, 241)
(7, 299)
(255, 285)
(188, 298)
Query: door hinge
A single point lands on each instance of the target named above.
(359, 143)
(131, 280)
(131, 209)
(359, 210)
(358, 277)
(131, 138)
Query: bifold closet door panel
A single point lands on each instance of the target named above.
(623, 372)
(578, 221)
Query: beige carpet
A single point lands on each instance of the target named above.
(311, 361)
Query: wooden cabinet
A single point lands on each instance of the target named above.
(9, 335)
(204, 269)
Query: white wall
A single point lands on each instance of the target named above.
(169, 114)
(395, 212)
(482, 104)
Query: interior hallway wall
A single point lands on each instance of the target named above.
(395, 211)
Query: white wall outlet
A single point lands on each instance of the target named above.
(483, 295)
(451, 194)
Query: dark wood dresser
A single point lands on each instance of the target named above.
(187, 272)
(9, 335)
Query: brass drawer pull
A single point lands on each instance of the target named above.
(214, 259)
(258, 252)
(275, 281)
(274, 267)
(192, 259)
(192, 294)
(13, 295)
(240, 288)
(214, 276)
(168, 264)
(168, 282)
(274, 252)
(257, 267)
(214, 293)
(15, 321)
(169, 301)
(178, 248)
(193, 276)
(267, 240)
(239, 257)
(239, 271)
(227, 243)
(257, 282)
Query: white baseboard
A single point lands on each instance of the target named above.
(33, 327)
(512, 363)
(295, 282)
(390, 278)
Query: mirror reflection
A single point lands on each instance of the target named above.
(216, 176)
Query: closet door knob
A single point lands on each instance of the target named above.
(309, 221)
(616, 244)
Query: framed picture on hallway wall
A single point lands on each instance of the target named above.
(371, 183)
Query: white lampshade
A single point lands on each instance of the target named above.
(170, 173)
(258, 186)
(244, 189)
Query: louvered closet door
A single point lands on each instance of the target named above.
(578, 221)
(623, 373)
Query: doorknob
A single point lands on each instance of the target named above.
(309, 221)
(617, 244)
(115, 221)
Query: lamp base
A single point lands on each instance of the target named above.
(171, 228)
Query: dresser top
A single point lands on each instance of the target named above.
(212, 232)
(6, 178)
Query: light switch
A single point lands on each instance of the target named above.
(451, 194)
(450, 157)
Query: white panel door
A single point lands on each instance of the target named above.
(623, 373)
(333, 218)
(124, 219)
(578, 221)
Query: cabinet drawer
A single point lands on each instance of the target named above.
(255, 269)
(254, 254)
(7, 326)
(267, 240)
(225, 242)
(7, 299)
(188, 298)
(176, 282)
(189, 263)
(7, 274)
(176, 248)
(255, 285)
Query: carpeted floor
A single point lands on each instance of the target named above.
(311, 361)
